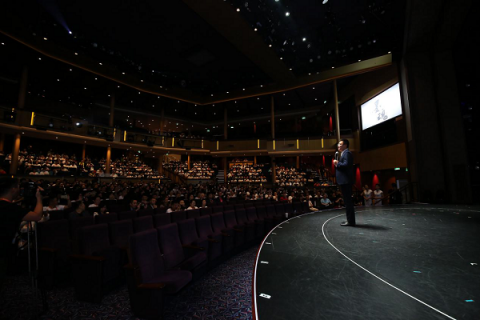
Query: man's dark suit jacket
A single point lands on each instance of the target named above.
(344, 170)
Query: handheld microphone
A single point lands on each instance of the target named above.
(336, 155)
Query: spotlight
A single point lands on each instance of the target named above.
(287, 14)
(78, 125)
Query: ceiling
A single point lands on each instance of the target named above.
(200, 49)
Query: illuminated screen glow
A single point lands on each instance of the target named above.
(387, 105)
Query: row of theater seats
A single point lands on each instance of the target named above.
(162, 252)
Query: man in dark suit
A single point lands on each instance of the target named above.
(345, 178)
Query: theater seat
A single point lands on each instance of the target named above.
(142, 224)
(178, 216)
(98, 265)
(106, 218)
(191, 214)
(231, 223)
(255, 216)
(147, 278)
(178, 257)
(189, 236)
(205, 211)
(219, 227)
(126, 215)
(205, 231)
(54, 250)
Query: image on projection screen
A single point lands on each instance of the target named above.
(385, 106)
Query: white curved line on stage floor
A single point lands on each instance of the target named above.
(371, 273)
(256, 265)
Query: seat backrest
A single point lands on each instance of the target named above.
(228, 207)
(142, 224)
(205, 211)
(162, 219)
(230, 219)
(145, 212)
(305, 207)
(170, 245)
(204, 226)
(241, 216)
(106, 218)
(248, 204)
(119, 232)
(279, 209)
(289, 208)
(187, 231)
(239, 206)
(78, 223)
(124, 215)
(54, 234)
(178, 216)
(251, 214)
(217, 209)
(191, 214)
(145, 254)
(93, 238)
(297, 208)
(218, 222)
(56, 215)
(271, 212)
(160, 210)
(261, 212)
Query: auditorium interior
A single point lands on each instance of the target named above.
(186, 155)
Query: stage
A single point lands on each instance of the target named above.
(399, 262)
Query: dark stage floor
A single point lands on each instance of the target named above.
(402, 262)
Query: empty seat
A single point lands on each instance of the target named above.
(147, 277)
(205, 231)
(228, 207)
(297, 208)
(106, 218)
(217, 209)
(75, 225)
(124, 215)
(259, 221)
(280, 212)
(161, 210)
(189, 236)
(289, 210)
(191, 214)
(54, 250)
(176, 256)
(178, 216)
(161, 219)
(248, 226)
(231, 223)
(219, 227)
(239, 206)
(142, 224)
(119, 233)
(145, 212)
(98, 264)
(206, 211)
(305, 207)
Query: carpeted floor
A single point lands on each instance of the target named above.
(225, 292)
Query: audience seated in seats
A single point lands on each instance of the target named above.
(78, 211)
(247, 173)
(325, 202)
(290, 177)
(200, 170)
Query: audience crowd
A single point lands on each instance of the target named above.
(199, 170)
(56, 164)
(247, 173)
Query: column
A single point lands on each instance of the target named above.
(15, 152)
(225, 169)
(254, 159)
(2, 141)
(225, 123)
(337, 114)
(274, 173)
(298, 162)
(272, 116)
(107, 163)
(112, 110)
(188, 163)
(84, 149)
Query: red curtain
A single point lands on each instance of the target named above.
(358, 179)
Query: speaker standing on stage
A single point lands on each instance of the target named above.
(345, 178)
